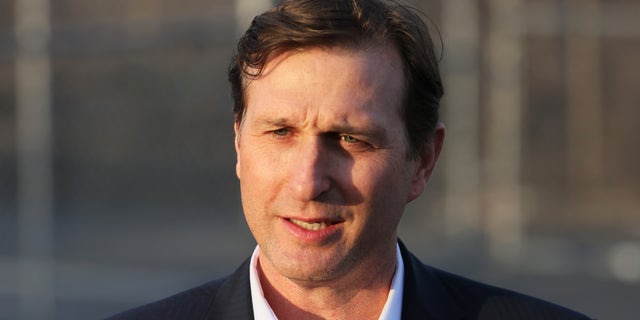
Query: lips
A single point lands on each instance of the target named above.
(317, 229)
(313, 226)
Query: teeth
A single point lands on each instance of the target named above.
(309, 226)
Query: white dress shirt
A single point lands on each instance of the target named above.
(392, 309)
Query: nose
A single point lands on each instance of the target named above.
(310, 170)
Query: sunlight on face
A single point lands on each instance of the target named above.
(322, 160)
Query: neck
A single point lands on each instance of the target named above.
(359, 294)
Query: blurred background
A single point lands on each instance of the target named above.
(117, 183)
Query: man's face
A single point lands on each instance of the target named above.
(322, 161)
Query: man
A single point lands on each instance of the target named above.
(336, 122)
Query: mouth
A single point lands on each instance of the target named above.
(312, 226)
(317, 230)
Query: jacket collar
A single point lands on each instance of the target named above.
(425, 295)
(232, 300)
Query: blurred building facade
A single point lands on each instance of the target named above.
(134, 168)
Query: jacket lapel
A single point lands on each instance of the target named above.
(425, 296)
(232, 300)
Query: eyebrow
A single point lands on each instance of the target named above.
(276, 122)
(263, 124)
(373, 131)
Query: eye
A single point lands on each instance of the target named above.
(349, 139)
(281, 132)
(352, 143)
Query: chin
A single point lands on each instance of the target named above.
(310, 276)
(313, 271)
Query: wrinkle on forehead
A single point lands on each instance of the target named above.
(385, 55)
(359, 70)
(334, 90)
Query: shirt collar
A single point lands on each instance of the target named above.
(392, 309)
(261, 308)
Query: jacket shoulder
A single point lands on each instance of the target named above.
(443, 295)
(489, 302)
(195, 301)
(224, 298)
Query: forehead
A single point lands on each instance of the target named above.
(334, 78)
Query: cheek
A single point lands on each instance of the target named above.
(260, 177)
(393, 187)
(254, 163)
(382, 185)
(385, 174)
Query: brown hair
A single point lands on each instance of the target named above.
(297, 24)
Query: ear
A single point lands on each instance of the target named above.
(236, 142)
(426, 162)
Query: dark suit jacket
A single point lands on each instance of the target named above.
(429, 293)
